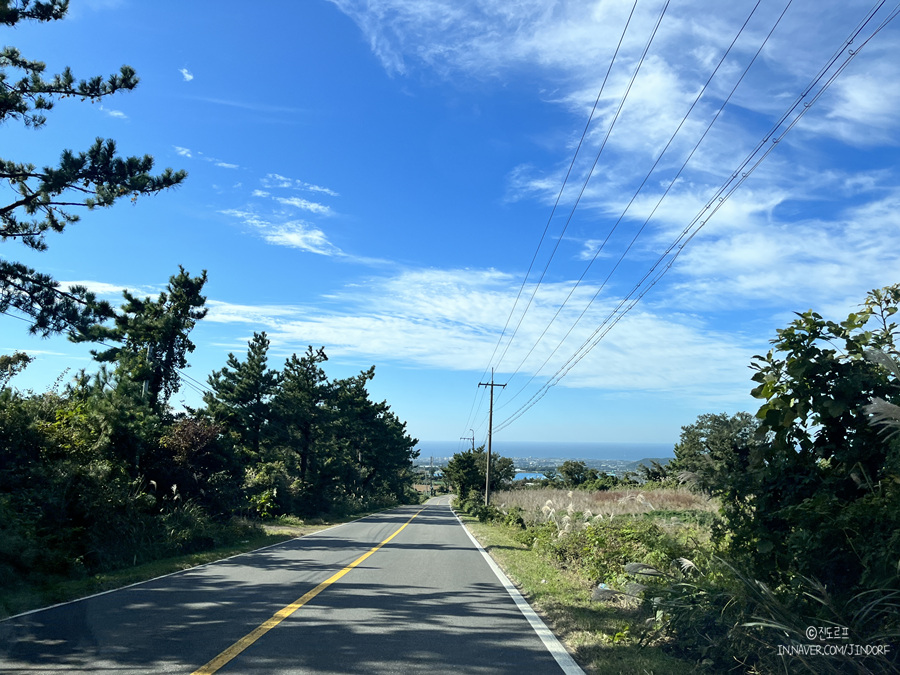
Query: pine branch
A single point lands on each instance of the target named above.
(98, 173)
(52, 309)
(22, 10)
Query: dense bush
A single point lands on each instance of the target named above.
(599, 551)
(104, 474)
(466, 473)
(719, 617)
(810, 518)
(96, 478)
(807, 532)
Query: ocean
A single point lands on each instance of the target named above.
(557, 450)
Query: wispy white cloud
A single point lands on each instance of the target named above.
(110, 291)
(451, 319)
(273, 223)
(590, 249)
(274, 180)
(297, 234)
(259, 315)
(187, 152)
(117, 114)
(862, 108)
(251, 106)
(317, 188)
(292, 233)
(305, 205)
(186, 74)
(33, 352)
(801, 263)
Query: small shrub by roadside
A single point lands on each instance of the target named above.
(591, 537)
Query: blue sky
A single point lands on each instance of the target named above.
(377, 176)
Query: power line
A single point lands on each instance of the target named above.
(590, 173)
(762, 143)
(637, 192)
(550, 218)
(665, 193)
(198, 385)
(721, 196)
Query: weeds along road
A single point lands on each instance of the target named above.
(402, 591)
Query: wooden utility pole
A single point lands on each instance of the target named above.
(469, 438)
(487, 468)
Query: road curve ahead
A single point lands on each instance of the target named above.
(403, 591)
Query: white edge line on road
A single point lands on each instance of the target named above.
(553, 645)
(189, 569)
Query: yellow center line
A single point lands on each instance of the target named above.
(285, 612)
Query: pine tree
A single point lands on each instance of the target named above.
(378, 451)
(97, 177)
(242, 394)
(154, 336)
(300, 407)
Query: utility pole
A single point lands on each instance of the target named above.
(469, 438)
(487, 471)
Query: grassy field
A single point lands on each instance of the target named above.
(598, 633)
(610, 503)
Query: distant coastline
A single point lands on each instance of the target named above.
(564, 449)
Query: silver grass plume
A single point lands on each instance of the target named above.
(686, 565)
(641, 568)
(884, 413)
(879, 358)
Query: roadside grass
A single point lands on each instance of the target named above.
(25, 597)
(597, 633)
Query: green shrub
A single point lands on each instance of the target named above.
(600, 550)
(718, 616)
(268, 489)
(514, 517)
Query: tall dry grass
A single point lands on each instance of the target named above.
(610, 503)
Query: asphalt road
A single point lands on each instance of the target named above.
(424, 601)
